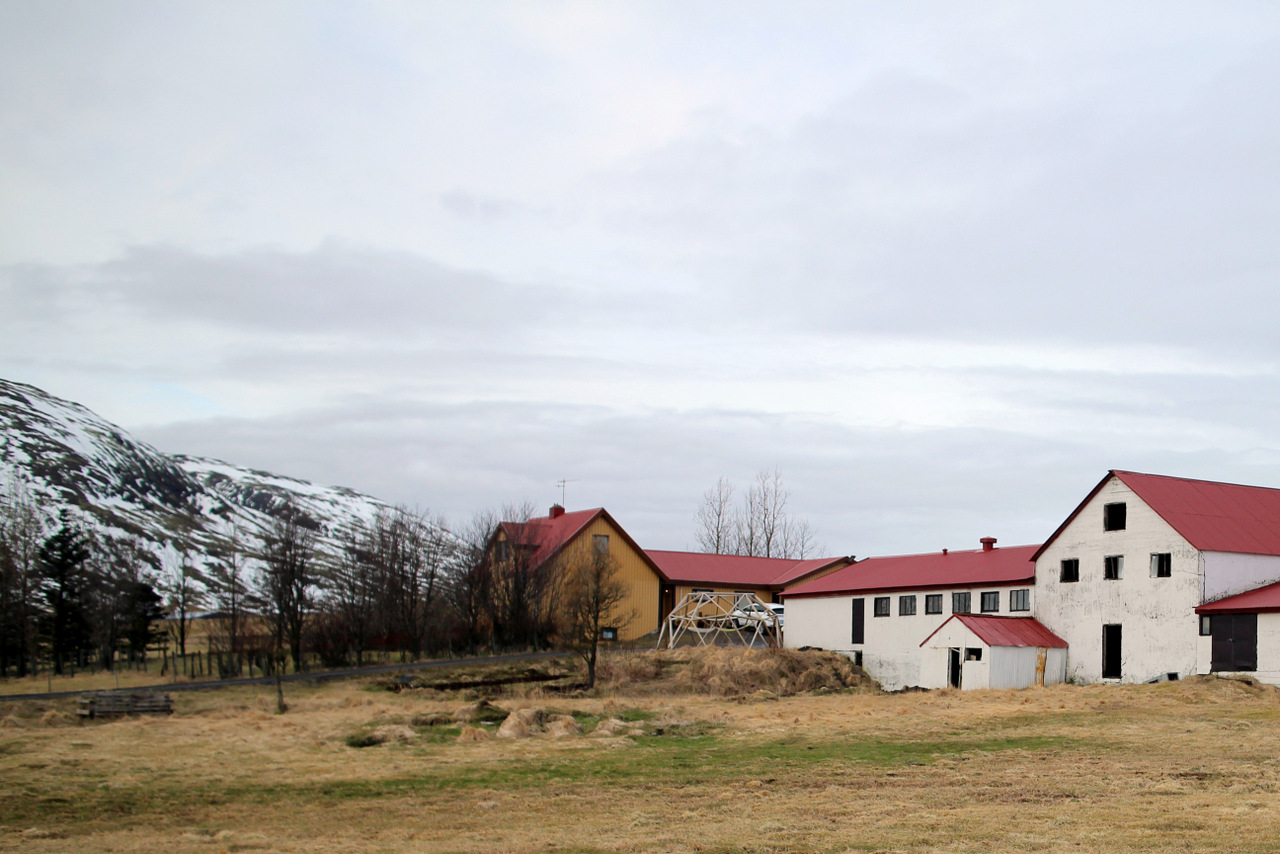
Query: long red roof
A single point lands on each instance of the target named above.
(1250, 602)
(1006, 631)
(1211, 516)
(701, 568)
(937, 569)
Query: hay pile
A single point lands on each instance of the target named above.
(524, 723)
(730, 672)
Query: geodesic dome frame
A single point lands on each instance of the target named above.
(718, 619)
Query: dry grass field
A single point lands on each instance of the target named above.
(1182, 766)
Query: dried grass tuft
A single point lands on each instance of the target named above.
(730, 672)
(473, 733)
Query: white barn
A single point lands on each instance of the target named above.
(1137, 580)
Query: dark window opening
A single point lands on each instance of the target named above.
(1162, 565)
(906, 606)
(1235, 642)
(1113, 517)
(857, 658)
(1111, 652)
(1070, 570)
(1020, 600)
(1113, 567)
(973, 653)
(858, 624)
(954, 670)
(990, 602)
(933, 603)
(881, 606)
(959, 603)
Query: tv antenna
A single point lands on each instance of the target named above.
(561, 483)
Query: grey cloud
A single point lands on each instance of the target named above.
(867, 491)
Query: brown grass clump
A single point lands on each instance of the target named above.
(53, 717)
(473, 733)
(730, 672)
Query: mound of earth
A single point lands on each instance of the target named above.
(730, 672)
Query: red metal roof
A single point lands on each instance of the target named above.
(1211, 516)
(547, 535)
(1251, 602)
(1215, 517)
(728, 570)
(1006, 631)
(937, 569)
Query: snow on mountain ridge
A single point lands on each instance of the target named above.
(73, 462)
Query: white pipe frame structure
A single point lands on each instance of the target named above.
(718, 619)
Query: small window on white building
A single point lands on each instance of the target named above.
(1113, 517)
(906, 606)
(1206, 625)
(1113, 567)
(1162, 565)
(990, 602)
(1070, 570)
(881, 606)
(960, 603)
(973, 653)
(933, 603)
(1020, 600)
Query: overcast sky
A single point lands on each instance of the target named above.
(941, 264)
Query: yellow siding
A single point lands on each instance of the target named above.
(764, 593)
(640, 578)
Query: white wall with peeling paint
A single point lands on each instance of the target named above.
(890, 649)
(1160, 630)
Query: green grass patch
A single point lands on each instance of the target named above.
(656, 761)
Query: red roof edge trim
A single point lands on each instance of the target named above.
(1074, 513)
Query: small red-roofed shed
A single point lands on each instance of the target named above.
(981, 651)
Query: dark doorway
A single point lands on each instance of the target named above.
(1111, 652)
(1235, 642)
(954, 670)
(857, 628)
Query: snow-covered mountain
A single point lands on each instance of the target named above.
(73, 462)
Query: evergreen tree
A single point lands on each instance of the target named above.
(62, 565)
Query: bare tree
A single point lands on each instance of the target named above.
(183, 587)
(229, 588)
(287, 585)
(716, 533)
(468, 587)
(593, 598)
(761, 526)
(21, 533)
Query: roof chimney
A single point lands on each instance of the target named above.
(557, 511)
(988, 543)
(944, 552)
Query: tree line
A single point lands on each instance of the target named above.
(401, 585)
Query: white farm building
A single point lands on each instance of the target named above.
(1150, 577)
